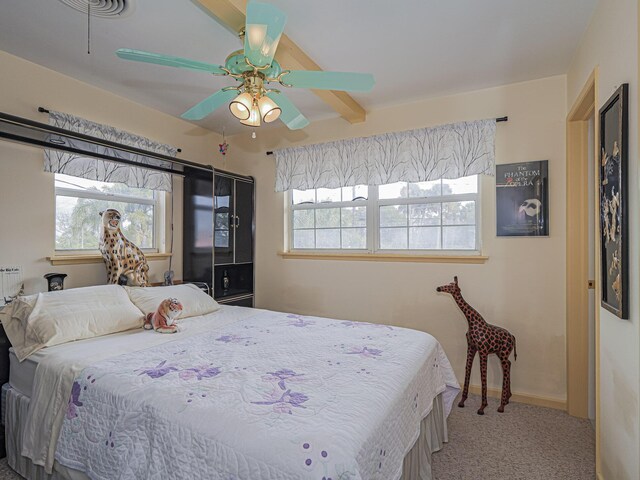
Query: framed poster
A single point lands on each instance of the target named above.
(614, 224)
(522, 199)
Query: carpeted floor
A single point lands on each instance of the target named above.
(5, 471)
(524, 443)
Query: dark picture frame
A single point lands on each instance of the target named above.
(522, 199)
(614, 222)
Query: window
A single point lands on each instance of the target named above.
(330, 218)
(398, 217)
(79, 201)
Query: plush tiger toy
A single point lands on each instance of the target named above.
(164, 318)
(126, 264)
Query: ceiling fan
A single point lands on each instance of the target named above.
(252, 101)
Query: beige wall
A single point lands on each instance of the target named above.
(611, 42)
(27, 192)
(521, 287)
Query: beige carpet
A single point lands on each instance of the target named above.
(524, 443)
(5, 471)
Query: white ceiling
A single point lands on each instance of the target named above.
(414, 48)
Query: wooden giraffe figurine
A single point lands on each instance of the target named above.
(484, 339)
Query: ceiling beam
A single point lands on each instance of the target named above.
(230, 13)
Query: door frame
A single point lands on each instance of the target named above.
(577, 327)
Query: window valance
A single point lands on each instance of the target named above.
(447, 151)
(104, 170)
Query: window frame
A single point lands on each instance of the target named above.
(158, 201)
(321, 206)
(373, 204)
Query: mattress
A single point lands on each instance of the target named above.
(22, 374)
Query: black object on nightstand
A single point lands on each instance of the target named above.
(55, 281)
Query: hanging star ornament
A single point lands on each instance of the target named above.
(224, 146)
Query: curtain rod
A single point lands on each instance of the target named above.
(23, 130)
(499, 119)
(44, 110)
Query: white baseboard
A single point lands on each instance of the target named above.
(523, 398)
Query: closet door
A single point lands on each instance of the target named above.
(224, 219)
(244, 222)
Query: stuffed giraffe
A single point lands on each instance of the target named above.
(484, 339)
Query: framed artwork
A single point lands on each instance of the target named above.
(614, 224)
(522, 199)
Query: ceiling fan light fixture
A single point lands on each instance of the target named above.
(241, 106)
(253, 68)
(269, 111)
(254, 117)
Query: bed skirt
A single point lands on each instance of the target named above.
(15, 410)
(433, 435)
(416, 465)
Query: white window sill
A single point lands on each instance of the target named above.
(96, 258)
(386, 257)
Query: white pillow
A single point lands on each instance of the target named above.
(194, 301)
(79, 313)
(14, 320)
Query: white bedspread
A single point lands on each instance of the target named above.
(243, 394)
(58, 366)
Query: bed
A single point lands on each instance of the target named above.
(237, 393)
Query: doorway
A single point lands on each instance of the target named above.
(583, 289)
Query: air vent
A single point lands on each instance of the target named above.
(101, 8)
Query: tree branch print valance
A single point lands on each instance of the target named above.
(448, 151)
(56, 161)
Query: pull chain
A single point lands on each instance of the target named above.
(88, 27)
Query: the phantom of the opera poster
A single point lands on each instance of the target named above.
(522, 199)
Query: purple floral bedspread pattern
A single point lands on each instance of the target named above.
(274, 396)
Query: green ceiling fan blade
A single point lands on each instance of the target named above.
(265, 24)
(168, 61)
(319, 80)
(290, 115)
(209, 104)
